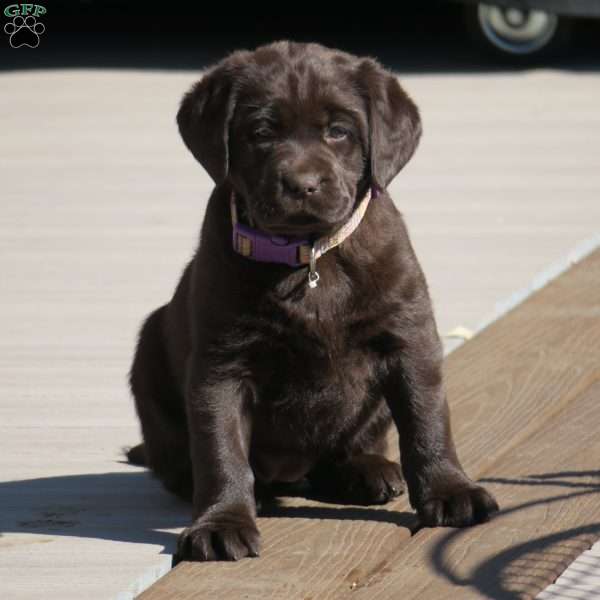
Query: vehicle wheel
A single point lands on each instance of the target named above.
(518, 34)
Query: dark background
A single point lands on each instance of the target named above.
(429, 35)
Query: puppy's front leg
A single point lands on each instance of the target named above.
(438, 487)
(224, 507)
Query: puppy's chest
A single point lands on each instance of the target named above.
(318, 362)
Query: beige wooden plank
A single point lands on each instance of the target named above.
(526, 366)
(534, 373)
(549, 490)
(534, 366)
(309, 551)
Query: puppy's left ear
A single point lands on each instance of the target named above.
(205, 114)
(394, 122)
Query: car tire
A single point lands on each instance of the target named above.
(516, 35)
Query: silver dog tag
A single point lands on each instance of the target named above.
(313, 276)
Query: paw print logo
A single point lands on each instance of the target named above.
(24, 31)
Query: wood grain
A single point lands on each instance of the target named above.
(549, 490)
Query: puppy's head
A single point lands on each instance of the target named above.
(300, 131)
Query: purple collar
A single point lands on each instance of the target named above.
(263, 247)
(291, 250)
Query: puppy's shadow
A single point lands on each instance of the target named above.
(127, 506)
(132, 506)
(276, 504)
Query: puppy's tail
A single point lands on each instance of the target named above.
(136, 455)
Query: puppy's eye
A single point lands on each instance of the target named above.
(337, 132)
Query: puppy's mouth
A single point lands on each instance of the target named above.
(299, 226)
(305, 223)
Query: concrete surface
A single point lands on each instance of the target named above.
(101, 206)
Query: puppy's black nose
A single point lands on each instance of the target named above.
(301, 184)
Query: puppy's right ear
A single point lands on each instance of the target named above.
(204, 117)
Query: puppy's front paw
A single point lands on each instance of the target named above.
(219, 534)
(458, 505)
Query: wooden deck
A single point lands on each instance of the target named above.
(525, 400)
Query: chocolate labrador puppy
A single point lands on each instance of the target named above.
(302, 328)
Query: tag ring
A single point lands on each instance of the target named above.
(313, 276)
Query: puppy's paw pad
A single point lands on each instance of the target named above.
(459, 508)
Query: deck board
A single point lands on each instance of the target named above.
(525, 401)
(549, 488)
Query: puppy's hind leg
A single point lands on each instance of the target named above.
(359, 479)
(161, 411)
